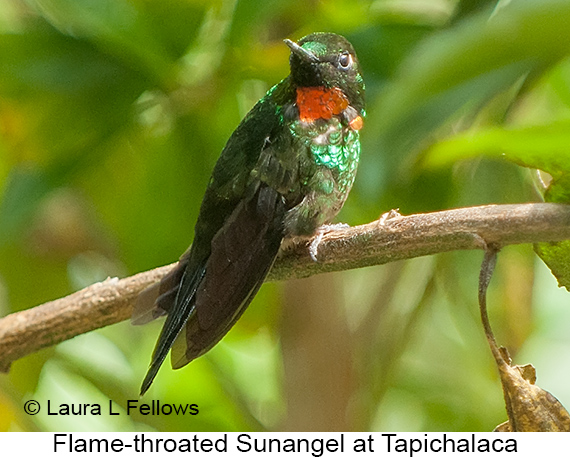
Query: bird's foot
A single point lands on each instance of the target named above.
(314, 246)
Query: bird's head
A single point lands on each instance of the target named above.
(327, 60)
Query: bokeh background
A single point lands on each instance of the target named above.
(112, 115)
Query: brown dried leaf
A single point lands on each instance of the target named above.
(529, 408)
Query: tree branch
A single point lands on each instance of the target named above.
(395, 238)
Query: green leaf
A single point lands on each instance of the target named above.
(546, 147)
(466, 65)
(116, 26)
(556, 255)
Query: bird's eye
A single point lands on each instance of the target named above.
(345, 60)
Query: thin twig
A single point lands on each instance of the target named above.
(485, 275)
(395, 238)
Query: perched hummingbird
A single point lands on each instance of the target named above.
(285, 171)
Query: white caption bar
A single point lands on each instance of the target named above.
(292, 444)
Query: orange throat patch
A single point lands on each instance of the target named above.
(321, 103)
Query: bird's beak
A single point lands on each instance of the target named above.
(301, 52)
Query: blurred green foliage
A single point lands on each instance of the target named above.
(112, 115)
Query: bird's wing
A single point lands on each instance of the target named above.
(209, 299)
(243, 251)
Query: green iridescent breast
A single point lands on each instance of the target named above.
(333, 146)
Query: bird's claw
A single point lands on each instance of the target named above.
(316, 241)
(314, 246)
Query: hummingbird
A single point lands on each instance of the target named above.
(285, 172)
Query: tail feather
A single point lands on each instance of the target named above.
(177, 317)
(155, 301)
